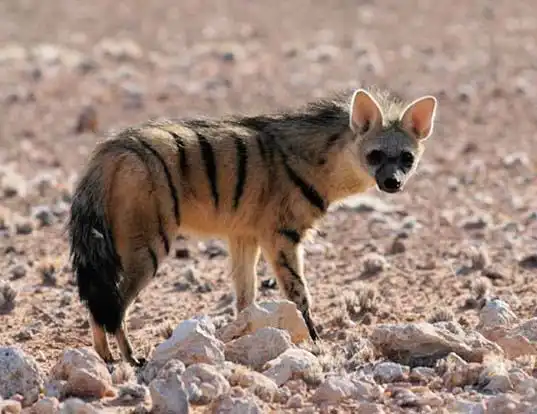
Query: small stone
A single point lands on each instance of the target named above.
(47, 405)
(296, 401)
(192, 342)
(55, 388)
(428, 398)
(280, 314)
(43, 215)
(85, 373)
(423, 374)
(405, 398)
(494, 314)
(66, 299)
(374, 263)
(48, 274)
(516, 159)
(182, 253)
(228, 57)
(269, 284)
(370, 408)
(18, 271)
(366, 203)
(87, 120)
(398, 245)
(60, 208)
(190, 279)
(24, 227)
(228, 404)
(495, 378)
(410, 223)
(386, 372)
(209, 383)
(133, 96)
(24, 335)
(122, 373)
(476, 222)
(259, 347)
(121, 50)
(529, 262)
(169, 395)
(19, 374)
(10, 407)
(282, 394)
(255, 382)
(205, 287)
(7, 297)
(158, 369)
(504, 404)
(132, 391)
(13, 184)
(78, 406)
(12, 52)
(213, 249)
(460, 373)
(293, 363)
(479, 257)
(467, 407)
(422, 344)
(335, 389)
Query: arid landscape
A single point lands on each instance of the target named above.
(425, 299)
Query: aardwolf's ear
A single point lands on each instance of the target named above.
(418, 117)
(365, 112)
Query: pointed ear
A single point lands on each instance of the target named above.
(365, 112)
(418, 117)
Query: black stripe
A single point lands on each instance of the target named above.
(291, 234)
(331, 141)
(285, 263)
(261, 146)
(207, 154)
(163, 235)
(307, 190)
(271, 147)
(183, 162)
(154, 259)
(171, 185)
(242, 163)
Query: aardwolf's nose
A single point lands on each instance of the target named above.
(391, 184)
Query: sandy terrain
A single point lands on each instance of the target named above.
(474, 198)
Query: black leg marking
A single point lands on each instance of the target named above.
(261, 146)
(242, 163)
(154, 260)
(285, 263)
(291, 234)
(171, 185)
(163, 235)
(207, 154)
(314, 335)
(303, 306)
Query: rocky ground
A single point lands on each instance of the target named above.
(426, 299)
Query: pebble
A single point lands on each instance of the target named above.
(18, 271)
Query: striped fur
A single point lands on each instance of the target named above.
(260, 182)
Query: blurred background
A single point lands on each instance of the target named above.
(71, 70)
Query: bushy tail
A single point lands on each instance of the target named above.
(95, 261)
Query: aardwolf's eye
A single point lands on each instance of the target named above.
(407, 159)
(375, 157)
